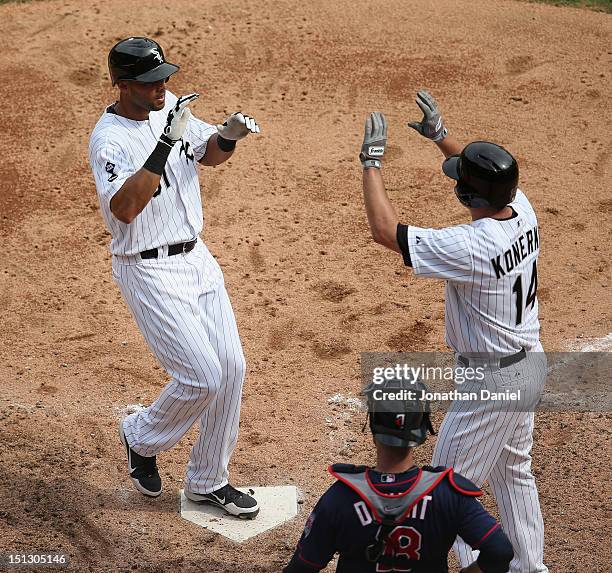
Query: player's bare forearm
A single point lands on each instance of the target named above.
(382, 217)
(473, 568)
(449, 146)
(214, 154)
(134, 195)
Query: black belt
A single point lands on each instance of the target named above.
(172, 250)
(503, 362)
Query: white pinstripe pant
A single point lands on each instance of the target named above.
(183, 311)
(494, 444)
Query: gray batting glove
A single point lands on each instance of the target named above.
(374, 140)
(178, 118)
(237, 126)
(431, 126)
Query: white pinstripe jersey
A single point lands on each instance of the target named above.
(491, 271)
(118, 147)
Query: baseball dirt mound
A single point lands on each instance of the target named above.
(285, 220)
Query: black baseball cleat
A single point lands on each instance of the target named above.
(233, 501)
(143, 471)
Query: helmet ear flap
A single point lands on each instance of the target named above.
(464, 196)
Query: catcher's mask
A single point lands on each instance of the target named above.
(139, 59)
(401, 422)
(486, 175)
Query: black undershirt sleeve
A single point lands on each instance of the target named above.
(402, 241)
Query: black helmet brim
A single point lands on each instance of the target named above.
(161, 72)
(450, 167)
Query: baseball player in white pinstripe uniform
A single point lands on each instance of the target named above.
(143, 153)
(490, 268)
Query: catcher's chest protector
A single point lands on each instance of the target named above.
(389, 510)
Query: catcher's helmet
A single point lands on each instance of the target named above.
(402, 422)
(139, 59)
(486, 175)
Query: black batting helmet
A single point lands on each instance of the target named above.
(399, 415)
(486, 175)
(139, 59)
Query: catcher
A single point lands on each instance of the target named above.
(397, 516)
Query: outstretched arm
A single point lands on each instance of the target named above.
(381, 214)
(215, 154)
(221, 146)
(449, 146)
(382, 217)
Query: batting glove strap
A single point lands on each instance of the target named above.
(440, 136)
(370, 162)
(169, 142)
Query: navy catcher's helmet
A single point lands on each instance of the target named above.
(486, 175)
(402, 422)
(139, 59)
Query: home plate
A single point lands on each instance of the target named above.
(277, 505)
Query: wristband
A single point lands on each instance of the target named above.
(157, 160)
(225, 144)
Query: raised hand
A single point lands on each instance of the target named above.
(374, 140)
(237, 126)
(178, 118)
(431, 126)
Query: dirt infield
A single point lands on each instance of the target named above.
(285, 219)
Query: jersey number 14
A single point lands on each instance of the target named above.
(517, 288)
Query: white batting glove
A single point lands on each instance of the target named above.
(237, 126)
(178, 118)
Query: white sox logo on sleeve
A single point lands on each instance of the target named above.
(110, 169)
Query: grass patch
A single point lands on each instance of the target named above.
(597, 5)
